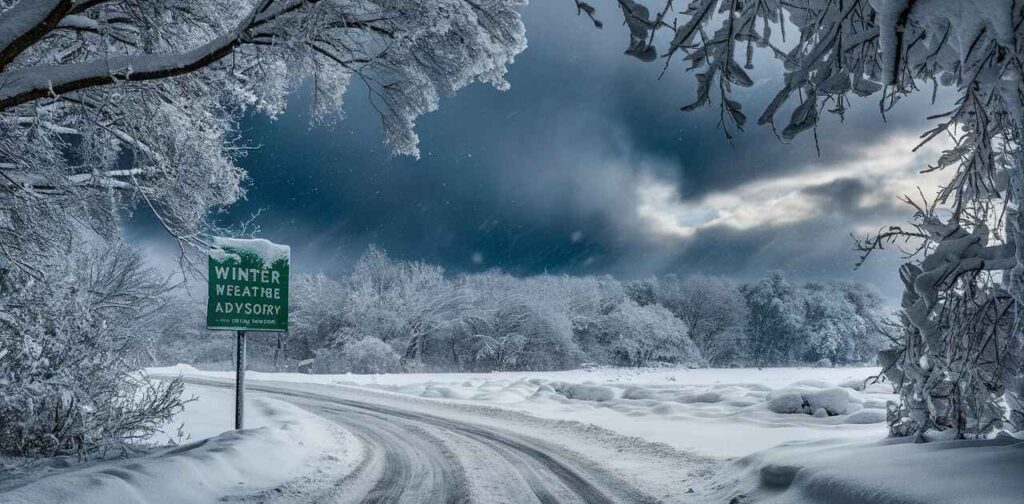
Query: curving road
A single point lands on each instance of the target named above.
(417, 458)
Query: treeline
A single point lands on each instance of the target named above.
(73, 337)
(394, 316)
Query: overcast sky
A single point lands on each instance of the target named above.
(586, 166)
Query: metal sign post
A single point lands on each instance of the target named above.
(248, 291)
(240, 381)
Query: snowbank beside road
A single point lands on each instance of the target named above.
(287, 443)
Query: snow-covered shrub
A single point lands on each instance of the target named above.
(547, 311)
(182, 336)
(522, 335)
(549, 341)
(645, 335)
(835, 400)
(498, 352)
(370, 355)
(71, 342)
(828, 401)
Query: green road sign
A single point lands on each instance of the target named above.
(248, 285)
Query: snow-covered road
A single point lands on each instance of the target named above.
(416, 457)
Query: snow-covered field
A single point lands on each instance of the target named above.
(794, 435)
(716, 412)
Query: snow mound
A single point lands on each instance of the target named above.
(866, 416)
(702, 397)
(836, 401)
(232, 463)
(892, 471)
(787, 403)
(819, 402)
(583, 391)
(636, 393)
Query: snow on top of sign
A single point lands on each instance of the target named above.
(267, 251)
(221, 255)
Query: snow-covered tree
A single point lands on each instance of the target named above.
(825, 323)
(495, 321)
(70, 348)
(844, 322)
(712, 308)
(316, 312)
(108, 104)
(830, 325)
(370, 355)
(775, 331)
(645, 335)
(641, 292)
(496, 338)
(966, 283)
(560, 316)
(402, 303)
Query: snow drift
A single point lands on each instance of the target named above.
(232, 463)
(892, 471)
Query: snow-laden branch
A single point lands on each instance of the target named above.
(115, 179)
(28, 21)
(32, 83)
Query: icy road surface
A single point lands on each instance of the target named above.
(421, 453)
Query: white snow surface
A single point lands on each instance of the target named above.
(281, 443)
(266, 250)
(713, 412)
(891, 471)
(773, 436)
(802, 435)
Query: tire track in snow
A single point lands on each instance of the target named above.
(410, 459)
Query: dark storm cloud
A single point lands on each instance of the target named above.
(846, 196)
(820, 249)
(547, 176)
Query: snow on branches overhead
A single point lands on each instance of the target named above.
(964, 291)
(839, 49)
(108, 103)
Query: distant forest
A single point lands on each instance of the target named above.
(399, 316)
